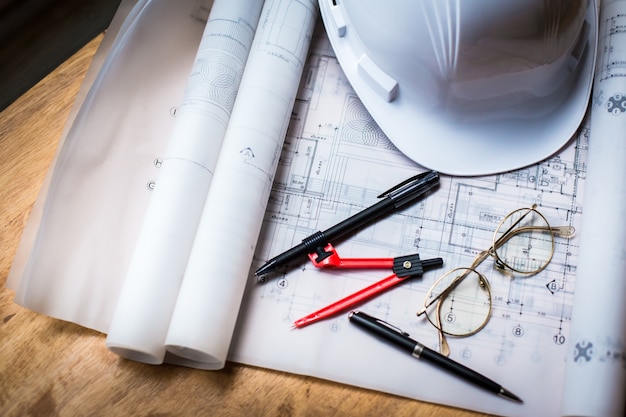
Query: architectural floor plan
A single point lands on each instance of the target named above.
(335, 162)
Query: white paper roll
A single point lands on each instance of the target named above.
(214, 282)
(151, 285)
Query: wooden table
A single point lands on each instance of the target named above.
(53, 368)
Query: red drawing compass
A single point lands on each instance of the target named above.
(403, 267)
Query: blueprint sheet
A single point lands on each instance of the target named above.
(335, 162)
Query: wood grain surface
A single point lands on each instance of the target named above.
(54, 368)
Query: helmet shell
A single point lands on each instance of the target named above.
(469, 87)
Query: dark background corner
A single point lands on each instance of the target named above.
(38, 35)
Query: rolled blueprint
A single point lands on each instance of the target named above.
(78, 242)
(148, 295)
(213, 285)
(596, 369)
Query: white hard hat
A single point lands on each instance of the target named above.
(469, 87)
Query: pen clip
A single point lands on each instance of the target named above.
(392, 327)
(418, 177)
(380, 322)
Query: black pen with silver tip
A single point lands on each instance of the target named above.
(402, 340)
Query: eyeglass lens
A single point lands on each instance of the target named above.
(523, 242)
(464, 303)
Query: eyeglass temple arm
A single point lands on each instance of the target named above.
(444, 348)
(561, 231)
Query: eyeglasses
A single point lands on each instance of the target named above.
(459, 302)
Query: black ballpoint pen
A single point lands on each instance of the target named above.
(394, 199)
(402, 340)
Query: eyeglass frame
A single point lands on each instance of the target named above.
(513, 230)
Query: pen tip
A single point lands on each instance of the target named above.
(266, 268)
(509, 395)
